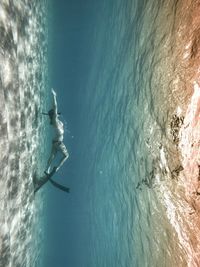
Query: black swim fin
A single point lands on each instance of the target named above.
(61, 187)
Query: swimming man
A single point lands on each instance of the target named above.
(57, 142)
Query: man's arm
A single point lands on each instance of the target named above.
(54, 102)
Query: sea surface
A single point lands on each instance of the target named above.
(141, 133)
(23, 96)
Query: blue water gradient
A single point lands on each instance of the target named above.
(117, 120)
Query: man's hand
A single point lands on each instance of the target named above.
(53, 92)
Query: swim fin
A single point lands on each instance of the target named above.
(61, 187)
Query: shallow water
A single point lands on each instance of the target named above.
(139, 96)
(23, 82)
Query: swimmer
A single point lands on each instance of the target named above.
(57, 142)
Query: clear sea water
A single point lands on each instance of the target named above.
(23, 95)
(143, 66)
(136, 204)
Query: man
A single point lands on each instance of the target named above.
(57, 142)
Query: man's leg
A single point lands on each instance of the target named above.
(51, 158)
(62, 148)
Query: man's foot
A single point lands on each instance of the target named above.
(55, 169)
(47, 171)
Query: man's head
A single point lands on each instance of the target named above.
(51, 113)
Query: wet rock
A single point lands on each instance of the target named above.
(176, 171)
(199, 172)
(195, 44)
(198, 191)
(175, 125)
(147, 181)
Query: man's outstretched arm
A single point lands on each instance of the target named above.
(55, 106)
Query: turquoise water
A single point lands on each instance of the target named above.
(23, 78)
(129, 176)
